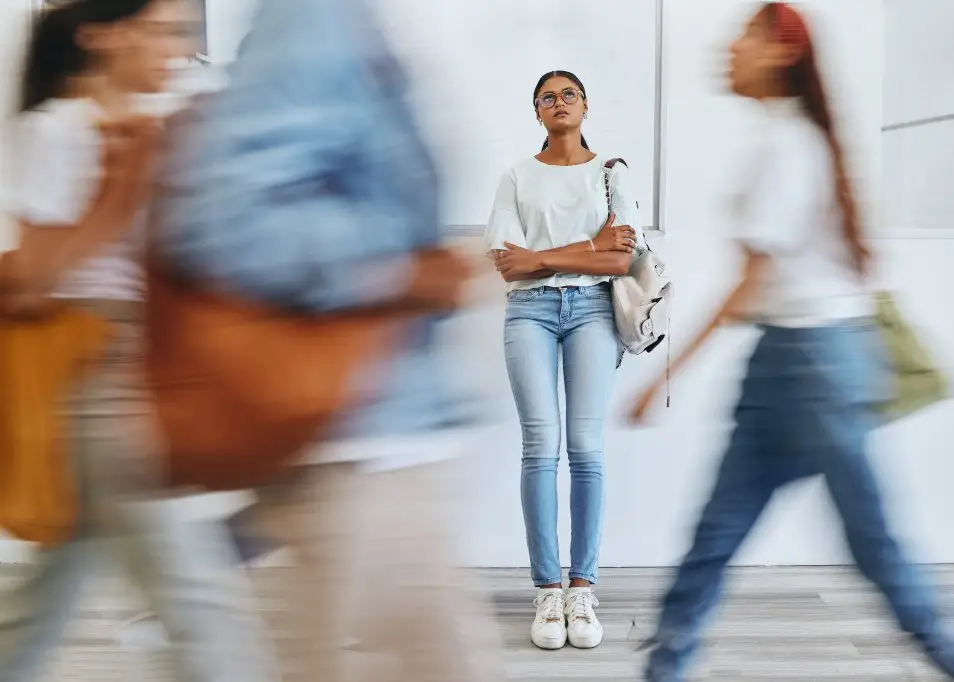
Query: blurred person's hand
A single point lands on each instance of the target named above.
(615, 237)
(21, 296)
(131, 146)
(861, 256)
(440, 280)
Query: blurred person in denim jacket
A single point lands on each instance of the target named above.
(315, 144)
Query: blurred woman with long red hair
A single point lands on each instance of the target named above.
(806, 406)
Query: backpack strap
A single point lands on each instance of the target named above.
(607, 169)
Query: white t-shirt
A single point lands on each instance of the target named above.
(55, 176)
(788, 209)
(540, 207)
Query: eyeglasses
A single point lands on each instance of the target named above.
(548, 99)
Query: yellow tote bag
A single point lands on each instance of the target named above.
(40, 361)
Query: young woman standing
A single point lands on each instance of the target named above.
(88, 62)
(814, 377)
(556, 248)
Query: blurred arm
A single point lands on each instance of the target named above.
(735, 307)
(60, 224)
(775, 223)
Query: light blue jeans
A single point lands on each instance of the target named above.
(805, 410)
(539, 322)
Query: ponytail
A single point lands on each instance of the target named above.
(816, 104)
(804, 81)
(546, 144)
(54, 54)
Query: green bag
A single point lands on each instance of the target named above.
(918, 382)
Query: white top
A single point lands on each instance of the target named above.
(56, 173)
(540, 207)
(788, 210)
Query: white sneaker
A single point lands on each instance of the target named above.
(583, 627)
(549, 627)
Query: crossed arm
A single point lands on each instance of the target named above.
(609, 253)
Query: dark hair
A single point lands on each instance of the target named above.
(803, 80)
(559, 74)
(54, 54)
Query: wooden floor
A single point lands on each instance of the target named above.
(811, 625)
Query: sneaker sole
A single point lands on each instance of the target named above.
(584, 643)
(549, 644)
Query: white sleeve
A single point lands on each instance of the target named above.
(54, 171)
(624, 202)
(505, 224)
(781, 199)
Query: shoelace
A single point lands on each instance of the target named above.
(549, 607)
(582, 606)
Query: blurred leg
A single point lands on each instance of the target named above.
(314, 513)
(188, 571)
(374, 594)
(880, 558)
(34, 614)
(145, 633)
(754, 466)
(743, 488)
(418, 618)
(835, 427)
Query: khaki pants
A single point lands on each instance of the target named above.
(375, 595)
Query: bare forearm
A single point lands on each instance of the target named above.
(539, 274)
(587, 262)
(576, 247)
(105, 225)
(46, 252)
(734, 308)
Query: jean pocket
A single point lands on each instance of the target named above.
(597, 291)
(524, 295)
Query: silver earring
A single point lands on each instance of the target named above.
(540, 121)
(584, 114)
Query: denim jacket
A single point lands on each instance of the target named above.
(306, 183)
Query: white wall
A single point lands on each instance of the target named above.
(918, 160)
(13, 21)
(227, 22)
(656, 478)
